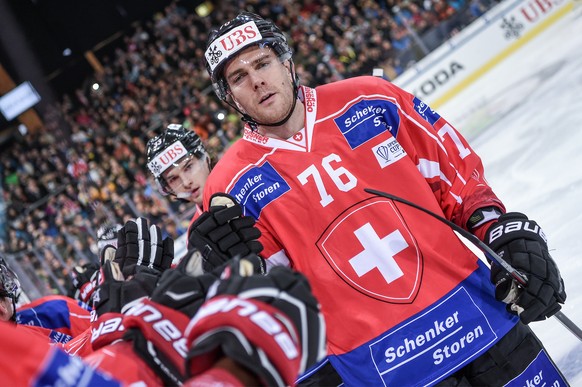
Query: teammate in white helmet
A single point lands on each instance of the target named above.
(179, 162)
(181, 165)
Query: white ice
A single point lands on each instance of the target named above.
(524, 119)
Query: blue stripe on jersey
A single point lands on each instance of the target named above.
(367, 119)
(64, 370)
(435, 342)
(541, 372)
(425, 111)
(258, 187)
(52, 314)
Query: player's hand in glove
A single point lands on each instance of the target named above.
(84, 280)
(176, 298)
(270, 324)
(522, 243)
(140, 247)
(182, 288)
(115, 293)
(129, 273)
(114, 296)
(107, 238)
(223, 232)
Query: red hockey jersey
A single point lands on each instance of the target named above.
(59, 313)
(386, 274)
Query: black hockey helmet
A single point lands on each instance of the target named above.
(9, 285)
(245, 30)
(166, 149)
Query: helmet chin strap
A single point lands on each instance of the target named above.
(13, 317)
(254, 124)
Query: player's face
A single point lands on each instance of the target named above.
(187, 178)
(260, 84)
(6, 308)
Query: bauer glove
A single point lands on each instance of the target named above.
(142, 248)
(222, 233)
(113, 297)
(522, 244)
(84, 281)
(271, 324)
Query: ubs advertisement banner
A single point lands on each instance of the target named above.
(479, 47)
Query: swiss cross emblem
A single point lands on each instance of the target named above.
(298, 136)
(373, 251)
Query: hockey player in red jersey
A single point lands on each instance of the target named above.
(180, 165)
(251, 329)
(60, 313)
(405, 301)
(69, 315)
(59, 327)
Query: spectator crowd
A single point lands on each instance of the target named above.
(87, 167)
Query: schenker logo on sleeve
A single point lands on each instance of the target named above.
(226, 45)
(258, 187)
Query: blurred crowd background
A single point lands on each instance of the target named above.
(87, 167)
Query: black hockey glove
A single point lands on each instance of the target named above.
(114, 296)
(181, 289)
(115, 293)
(84, 279)
(157, 334)
(222, 233)
(270, 324)
(140, 247)
(522, 243)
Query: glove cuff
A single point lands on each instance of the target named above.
(149, 322)
(106, 329)
(85, 292)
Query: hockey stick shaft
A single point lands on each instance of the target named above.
(492, 255)
(519, 277)
(569, 324)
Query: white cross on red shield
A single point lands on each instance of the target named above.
(371, 248)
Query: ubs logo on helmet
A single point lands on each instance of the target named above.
(165, 159)
(235, 40)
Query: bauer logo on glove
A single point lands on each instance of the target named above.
(522, 243)
(516, 226)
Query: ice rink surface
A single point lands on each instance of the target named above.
(524, 118)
